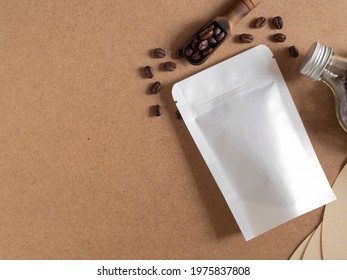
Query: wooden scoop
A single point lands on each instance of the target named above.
(204, 42)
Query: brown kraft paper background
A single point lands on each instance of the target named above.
(87, 173)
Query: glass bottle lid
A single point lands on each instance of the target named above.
(316, 60)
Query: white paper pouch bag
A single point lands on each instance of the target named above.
(246, 126)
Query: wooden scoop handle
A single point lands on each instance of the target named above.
(240, 9)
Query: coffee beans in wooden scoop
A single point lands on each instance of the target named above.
(221, 36)
(212, 41)
(196, 56)
(189, 52)
(195, 44)
(207, 51)
(203, 44)
(207, 33)
(216, 31)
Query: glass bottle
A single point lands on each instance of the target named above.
(322, 64)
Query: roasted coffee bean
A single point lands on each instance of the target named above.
(196, 56)
(212, 41)
(278, 22)
(246, 38)
(179, 54)
(157, 111)
(149, 72)
(293, 51)
(195, 44)
(207, 51)
(178, 115)
(221, 36)
(216, 31)
(189, 52)
(170, 66)
(155, 88)
(206, 34)
(260, 22)
(279, 37)
(160, 53)
(203, 45)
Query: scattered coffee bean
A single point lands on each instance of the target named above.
(170, 66)
(221, 36)
(216, 31)
(207, 33)
(278, 22)
(293, 51)
(260, 22)
(149, 72)
(279, 37)
(157, 111)
(246, 38)
(196, 56)
(155, 88)
(179, 54)
(203, 45)
(160, 53)
(178, 115)
(189, 52)
(212, 41)
(195, 44)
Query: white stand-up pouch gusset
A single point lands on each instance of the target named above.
(244, 122)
